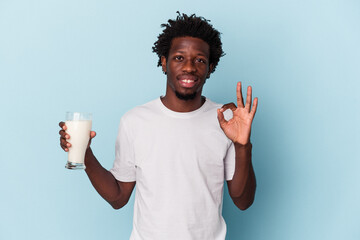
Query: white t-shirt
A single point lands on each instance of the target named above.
(179, 162)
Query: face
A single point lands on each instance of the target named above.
(186, 67)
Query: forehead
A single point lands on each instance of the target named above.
(189, 45)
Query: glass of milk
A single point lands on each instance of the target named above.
(78, 127)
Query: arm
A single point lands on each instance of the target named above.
(116, 193)
(242, 186)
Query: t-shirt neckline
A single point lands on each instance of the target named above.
(172, 113)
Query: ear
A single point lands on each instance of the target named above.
(163, 63)
(211, 67)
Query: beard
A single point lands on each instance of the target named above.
(185, 97)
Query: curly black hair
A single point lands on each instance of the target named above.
(189, 26)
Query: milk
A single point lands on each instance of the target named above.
(79, 131)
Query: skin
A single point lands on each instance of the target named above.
(188, 60)
(115, 192)
(238, 129)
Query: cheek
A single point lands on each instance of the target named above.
(205, 72)
(170, 78)
(172, 68)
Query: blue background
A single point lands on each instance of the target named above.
(301, 57)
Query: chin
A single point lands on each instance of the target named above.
(185, 96)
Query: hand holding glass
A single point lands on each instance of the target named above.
(78, 127)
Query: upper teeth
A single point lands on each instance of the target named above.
(187, 81)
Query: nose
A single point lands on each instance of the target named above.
(189, 66)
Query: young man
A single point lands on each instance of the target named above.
(180, 148)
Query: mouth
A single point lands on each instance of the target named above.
(187, 81)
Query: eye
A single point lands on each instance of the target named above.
(178, 58)
(201, 60)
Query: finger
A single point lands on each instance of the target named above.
(239, 97)
(64, 144)
(248, 98)
(63, 147)
(227, 106)
(92, 134)
(63, 134)
(221, 118)
(62, 125)
(254, 107)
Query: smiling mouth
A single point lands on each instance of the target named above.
(187, 83)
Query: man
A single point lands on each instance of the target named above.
(180, 148)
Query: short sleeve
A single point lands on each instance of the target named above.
(229, 160)
(124, 165)
(229, 163)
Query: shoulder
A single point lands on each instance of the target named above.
(141, 112)
(213, 106)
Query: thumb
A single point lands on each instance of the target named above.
(92, 134)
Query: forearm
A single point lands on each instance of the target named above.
(242, 186)
(103, 181)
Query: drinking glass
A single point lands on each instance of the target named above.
(78, 126)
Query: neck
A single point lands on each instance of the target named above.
(172, 102)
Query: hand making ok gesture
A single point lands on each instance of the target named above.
(238, 128)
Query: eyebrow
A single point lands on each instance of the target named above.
(199, 54)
